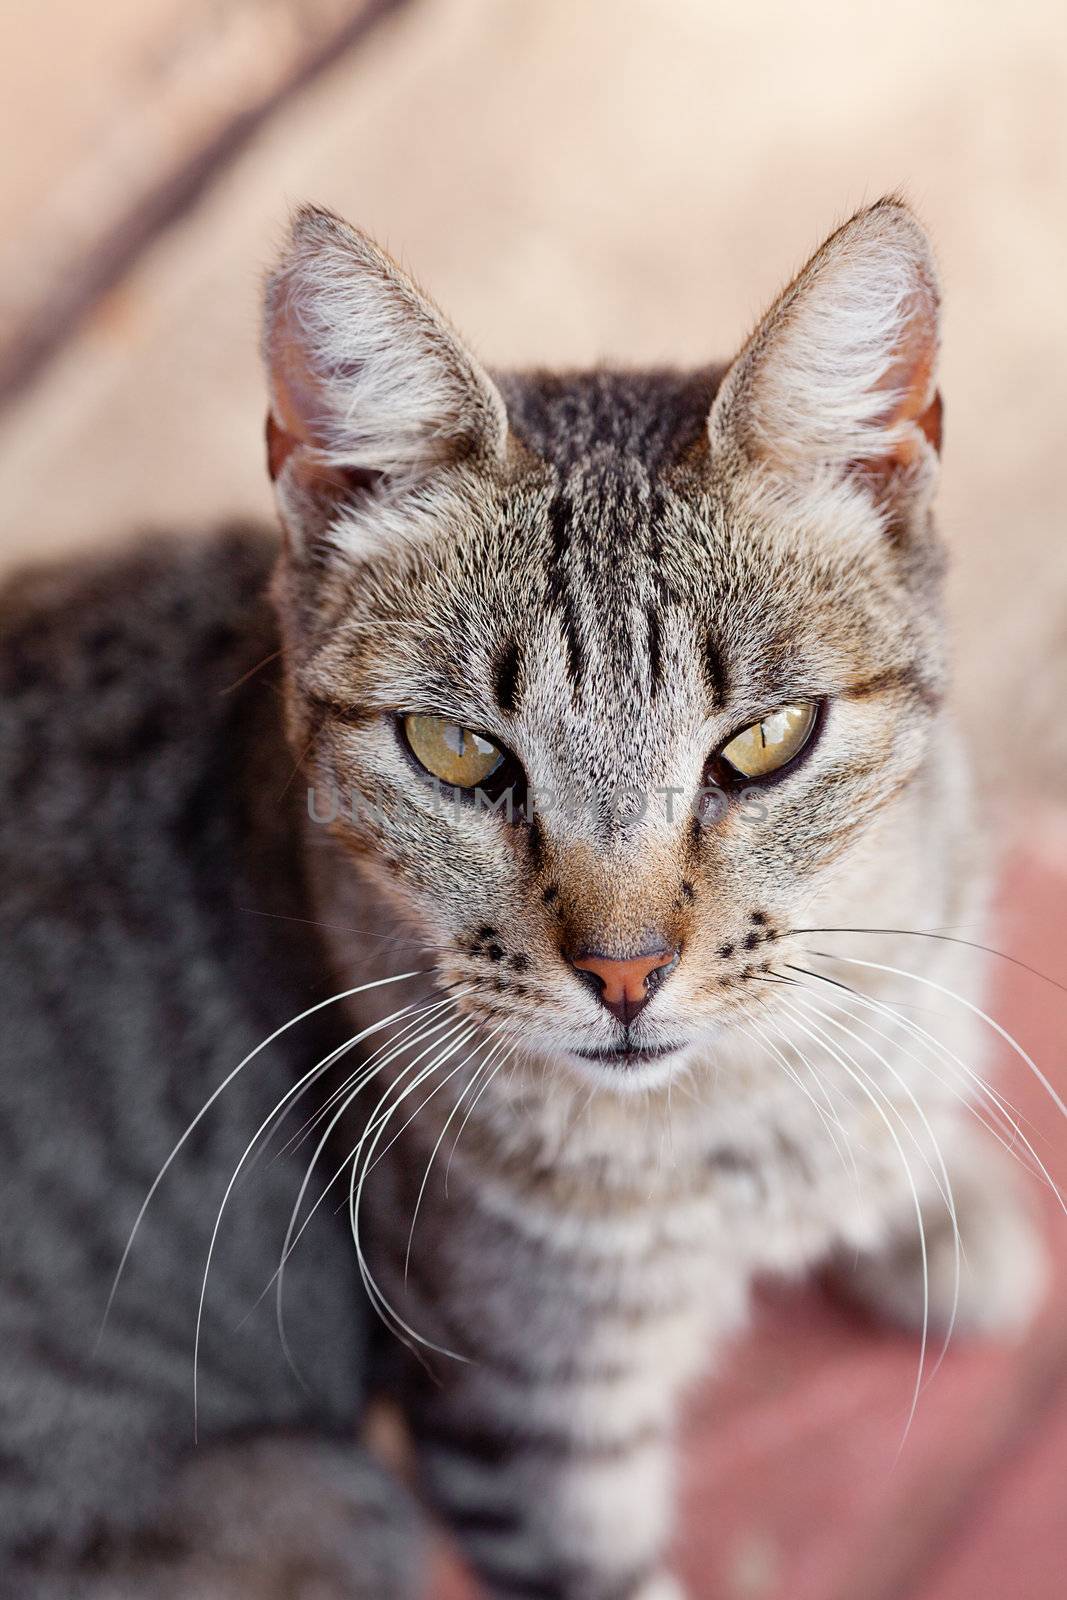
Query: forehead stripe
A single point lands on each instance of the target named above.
(715, 670)
(506, 671)
(558, 589)
(661, 588)
(655, 647)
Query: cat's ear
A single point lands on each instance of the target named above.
(367, 379)
(841, 373)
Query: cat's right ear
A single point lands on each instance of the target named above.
(840, 377)
(369, 385)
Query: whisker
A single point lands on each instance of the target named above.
(292, 1236)
(875, 1102)
(298, 761)
(345, 994)
(944, 1184)
(296, 1090)
(948, 938)
(288, 1096)
(471, 1108)
(416, 1015)
(403, 1330)
(317, 922)
(823, 1115)
(230, 687)
(419, 1024)
(448, 1122)
(1006, 1113)
(422, 1103)
(991, 1022)
(809, 1000)
(353, 1088)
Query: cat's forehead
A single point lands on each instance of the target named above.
(625, 508)
(608, 579)
(611, 552)
(573, 420)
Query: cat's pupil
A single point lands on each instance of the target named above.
(462, 741)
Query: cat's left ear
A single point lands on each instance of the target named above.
(367, 379)
(841, 374)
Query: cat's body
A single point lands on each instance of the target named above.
(640, 1076)
(149, 863)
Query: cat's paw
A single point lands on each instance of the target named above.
(991, 1286)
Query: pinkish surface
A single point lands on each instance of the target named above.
(795, 1481)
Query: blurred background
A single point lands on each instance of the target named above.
(575, 180)
(629, 180)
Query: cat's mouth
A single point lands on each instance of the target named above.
(629, 1055)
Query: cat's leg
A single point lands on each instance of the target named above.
(268, 1518)
(988, 1282)
(573, 1502)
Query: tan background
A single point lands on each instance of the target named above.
(575, 180)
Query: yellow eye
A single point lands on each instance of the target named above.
(458, 756)
(772, 741)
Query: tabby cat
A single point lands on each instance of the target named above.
(564, 848)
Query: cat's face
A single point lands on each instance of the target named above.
(608, 680)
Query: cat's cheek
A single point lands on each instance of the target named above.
(754, 807)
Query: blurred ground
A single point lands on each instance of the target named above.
(632, 180)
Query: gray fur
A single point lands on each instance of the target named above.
(640, 566)
(147, 860)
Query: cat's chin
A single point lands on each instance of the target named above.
(626, 1071)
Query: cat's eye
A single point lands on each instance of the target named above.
(772, 742)
(456, 755)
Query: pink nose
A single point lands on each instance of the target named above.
(623, 983)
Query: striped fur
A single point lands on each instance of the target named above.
(650, 561)
(610, 574)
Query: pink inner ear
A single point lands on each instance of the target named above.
(296, 416)
(929, 422)
(910, 377)
(280, 446)
(295, 390)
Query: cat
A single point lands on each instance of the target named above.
(568, 836)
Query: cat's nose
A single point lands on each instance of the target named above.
(625, 985)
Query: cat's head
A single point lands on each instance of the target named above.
(685, 628)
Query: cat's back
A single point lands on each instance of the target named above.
(125, 756)
(147, 818)
(113, 670)
(153, 930)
